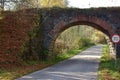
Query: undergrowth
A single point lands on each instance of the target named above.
(108, 70)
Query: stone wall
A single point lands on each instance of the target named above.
(56, 20)
(15, 28)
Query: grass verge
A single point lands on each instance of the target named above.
(69, 54)
(13, 73)
(107, 68)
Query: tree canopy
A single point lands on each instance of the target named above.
(23, 4)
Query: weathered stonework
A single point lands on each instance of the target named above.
(56, 20)
(51, 22)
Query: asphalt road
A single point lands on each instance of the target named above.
(83, 66)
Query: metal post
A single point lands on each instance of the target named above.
(115, 40)
(115, 55)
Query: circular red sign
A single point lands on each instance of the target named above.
(115, 38)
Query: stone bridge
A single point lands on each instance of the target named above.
(56, 20)
(19, 35)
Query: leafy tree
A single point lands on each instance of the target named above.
(28, 4)
(8, 4)
(22, 4)
(52, 3)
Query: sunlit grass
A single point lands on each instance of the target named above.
(68, 54)
(107, 69)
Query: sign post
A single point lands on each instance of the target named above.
(115, 40)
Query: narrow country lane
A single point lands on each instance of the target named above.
(83, 66)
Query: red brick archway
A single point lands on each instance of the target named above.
(95, 22)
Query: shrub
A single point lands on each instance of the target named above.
(83, 42)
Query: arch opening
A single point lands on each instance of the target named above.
(76, 37)
(65, 27)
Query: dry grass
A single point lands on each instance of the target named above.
(11, 74)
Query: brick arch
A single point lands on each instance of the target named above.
(64, 24)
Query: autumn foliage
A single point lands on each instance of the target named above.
(14, 28)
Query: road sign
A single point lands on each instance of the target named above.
(115, 38)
